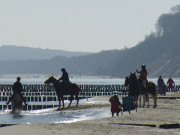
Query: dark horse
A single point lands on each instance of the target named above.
(136, 89)
(16, 103)
(72, 89)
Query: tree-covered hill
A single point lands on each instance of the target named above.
(159, 51)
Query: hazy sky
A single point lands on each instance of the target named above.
(79, 25)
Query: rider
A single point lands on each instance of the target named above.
(64, 79)
(17, 88)
(143, 75)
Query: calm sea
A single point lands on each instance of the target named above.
(63, 116)
(79, 80)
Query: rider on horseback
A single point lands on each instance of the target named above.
(64, 79)
(17, 88)
(143, 76)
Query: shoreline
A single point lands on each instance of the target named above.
(148, 121)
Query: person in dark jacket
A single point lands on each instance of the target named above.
(64, 79)
(161, 84)
(17, 88)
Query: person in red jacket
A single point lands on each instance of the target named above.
(170, 84)
(115, 105)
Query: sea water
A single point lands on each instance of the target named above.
(81, 80)
(52, 116)
(49, 116)
(62, 116)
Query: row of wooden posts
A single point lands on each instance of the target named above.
(38, 93)
(38, 90)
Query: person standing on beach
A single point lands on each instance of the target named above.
(161, 84)
(115, 105)
(170, 84)
(17, 88)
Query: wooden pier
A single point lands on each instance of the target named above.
(40, 96)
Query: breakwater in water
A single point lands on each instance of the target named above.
(40, 96)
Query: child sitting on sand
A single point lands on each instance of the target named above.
(115, 105)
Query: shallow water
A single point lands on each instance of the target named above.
(50, 116)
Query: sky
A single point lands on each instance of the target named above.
(79, 25)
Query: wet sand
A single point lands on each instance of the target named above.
(144, 121)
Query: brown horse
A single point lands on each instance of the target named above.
(72, 89)
(151, 90)
(136, 89)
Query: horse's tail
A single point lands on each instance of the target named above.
(79, 88)
(80, 91)
(152, 88)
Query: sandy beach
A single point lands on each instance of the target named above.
(146, 121)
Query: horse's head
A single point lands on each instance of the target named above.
(133, 77)
(126, 83)
(50, 80)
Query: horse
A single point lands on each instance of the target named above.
(72, 89)
(136, 89)
(152, 90)
(16, 103)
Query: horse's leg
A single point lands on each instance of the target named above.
(147, 99)
(144, 99)
(77, 98)
(135, 101)
(14, 107)
(140, 94)
(140, 101)
(63, 100)
(59, 99)
(153, 97)
(13, 111)
(71, 98)
(155, 100)
(121, 112)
